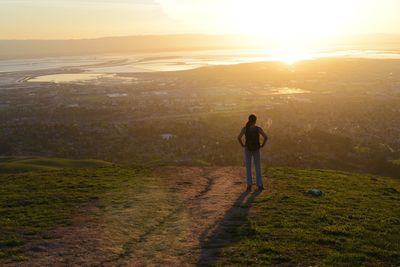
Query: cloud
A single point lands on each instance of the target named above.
(80, 1)
(189, 8)
(273, 17)
(200, 16)
(60, 19)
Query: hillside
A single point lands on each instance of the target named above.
(116, 215)
(355, 223)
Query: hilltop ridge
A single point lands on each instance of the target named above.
(182, 215)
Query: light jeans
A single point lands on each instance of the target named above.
(257, 163)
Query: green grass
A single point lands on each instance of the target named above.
(33, 203)
(356, 222)
(28, 164)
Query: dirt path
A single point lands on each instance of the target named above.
(186, 229)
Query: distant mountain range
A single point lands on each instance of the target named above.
(11, 49)
(146, 43)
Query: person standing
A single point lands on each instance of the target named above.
(252, 147)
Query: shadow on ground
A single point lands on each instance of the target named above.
(222, 233)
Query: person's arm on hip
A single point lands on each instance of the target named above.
(264, 135)
(240, 137)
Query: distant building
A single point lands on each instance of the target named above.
(167, 136)
(73, 105)
(114, 95)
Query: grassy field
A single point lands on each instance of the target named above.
(33, 203)
(28, 164)
(356, 222)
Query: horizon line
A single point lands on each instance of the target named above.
(187, 34)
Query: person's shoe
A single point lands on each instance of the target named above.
(248, 188)
(260, 188)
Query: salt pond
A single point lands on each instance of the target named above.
(288, 91)
(105, 68)
(67, 77)
(79, 77)
(172, 61)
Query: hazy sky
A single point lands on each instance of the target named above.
(282, 19)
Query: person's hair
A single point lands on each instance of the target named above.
(252, 120)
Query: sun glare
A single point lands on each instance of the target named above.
(291, 55)
(288, 21)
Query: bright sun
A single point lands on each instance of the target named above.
(291, 55)
(291, 20)
(293, 26)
